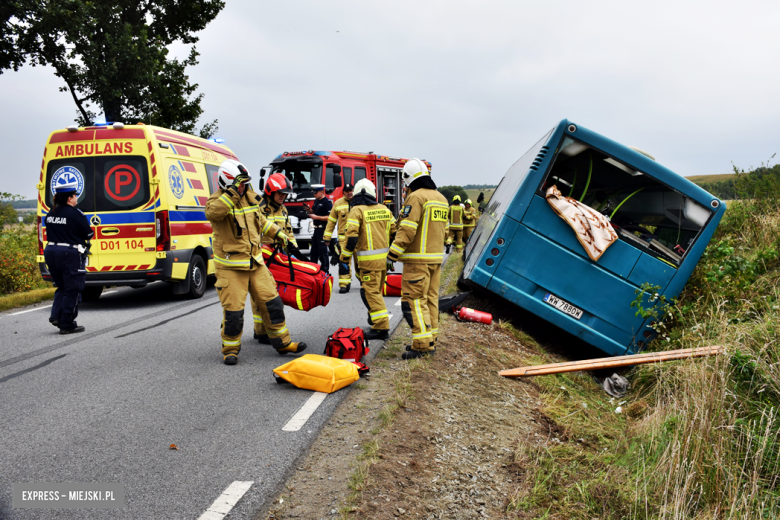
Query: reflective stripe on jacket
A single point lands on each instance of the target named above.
(368, 235)
(280, 217)
(422, 228)
(237, 226)
(338, 215)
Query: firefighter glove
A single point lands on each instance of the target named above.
(282, 239)
(390, 265)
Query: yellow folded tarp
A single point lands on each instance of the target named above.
(319, 373)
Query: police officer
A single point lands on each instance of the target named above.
(238, 225)
(338, 215)
(369, 228)
(455, 216)
(271, 205)
(419, 245)
(319, 212)
(470, 217)
(68, 234)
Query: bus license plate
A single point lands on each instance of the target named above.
(563, 306)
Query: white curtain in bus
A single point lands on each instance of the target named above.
(593, 229)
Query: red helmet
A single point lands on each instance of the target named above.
(277, 182)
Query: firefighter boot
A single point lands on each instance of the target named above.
(376, 334)
(292, 347)
(345, 289)
(263, 339)
(414, 354)
(230, 359)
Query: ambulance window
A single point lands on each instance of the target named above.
(347, 175)
(80, 168)
(211, 173)
(360, 173)
(122, 183)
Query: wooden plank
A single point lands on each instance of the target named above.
(611, 362)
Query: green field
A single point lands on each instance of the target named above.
(473, 194)
(710, 178)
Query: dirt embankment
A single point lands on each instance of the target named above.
(433, 438)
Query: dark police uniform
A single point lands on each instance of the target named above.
(319, 251)
(67, 232)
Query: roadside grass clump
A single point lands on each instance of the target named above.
(18, 269)
(695, 439)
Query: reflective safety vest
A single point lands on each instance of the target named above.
(279, 216)
(422, 228)
(470, 217)
(368, 236)
(338, 215)
(456, 217)
(237, 227)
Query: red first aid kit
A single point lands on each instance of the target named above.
(392, 285)
(347, 344)
(301, 285)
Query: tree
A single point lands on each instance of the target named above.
(8, 214)
(451, 191)
(113, 55)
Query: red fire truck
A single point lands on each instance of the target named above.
(334, 169)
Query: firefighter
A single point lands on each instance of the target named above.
(271, 206)
(470, 217)
(419, 245)
(369, 227)
(238, 225)
(319, 212)
(68, 234)
(455, 217)
(338, 215)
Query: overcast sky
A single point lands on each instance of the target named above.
(467, 85)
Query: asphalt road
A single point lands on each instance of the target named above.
(105, 405)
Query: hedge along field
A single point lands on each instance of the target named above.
(18, 270)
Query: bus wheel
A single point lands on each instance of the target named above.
(197, 276)
(91, 293)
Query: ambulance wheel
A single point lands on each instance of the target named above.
(197, 276)
(91, 293)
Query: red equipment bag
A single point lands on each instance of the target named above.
(301, 285)
(347, 344)
(392, 285)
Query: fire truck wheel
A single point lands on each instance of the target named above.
(91, 293)
(197, 274)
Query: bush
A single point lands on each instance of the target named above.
(18, 269)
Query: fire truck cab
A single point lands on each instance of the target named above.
(334, 169)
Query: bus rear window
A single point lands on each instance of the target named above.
(645, 213)
(121, 183)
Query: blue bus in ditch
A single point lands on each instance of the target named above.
(523, 251)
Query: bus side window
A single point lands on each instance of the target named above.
(360, 173)
(347, 175)
(211, 173)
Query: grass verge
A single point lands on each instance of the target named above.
(14, 300)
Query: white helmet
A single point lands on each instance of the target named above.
(229, 170)
(365, 185)
(413, 170)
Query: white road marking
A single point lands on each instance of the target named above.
(43, 307)
(398, 303)
(306, 411)
(226, 501)
(30, 310)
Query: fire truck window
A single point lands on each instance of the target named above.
(122, 183)
(347, 174)
(329, 178)
(212, 174)
(360, 173)
(80, 168)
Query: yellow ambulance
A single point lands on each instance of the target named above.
(144, 190)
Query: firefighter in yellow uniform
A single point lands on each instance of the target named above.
(470, 217)
(338, 216)
(369, 228)
(237, 226)
(419, 245)
(271, 206)
(455, 217)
